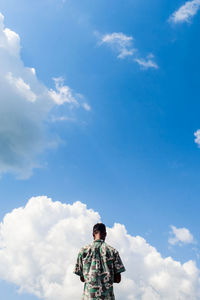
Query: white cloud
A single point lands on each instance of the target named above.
(86, 106)
(25, 103)
(62, 118)
(123, 45)
(180, 236)
(197, 135)
(185, 12)
(22, 87)
(63, 93)
(39, 244)
(120, 43)
(147, 63)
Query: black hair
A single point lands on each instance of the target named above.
(99, 227)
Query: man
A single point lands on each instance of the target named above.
(99, 266)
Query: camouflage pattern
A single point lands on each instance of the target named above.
(98, 263)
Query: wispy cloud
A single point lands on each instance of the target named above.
(123, 45)
(62, 119)
(185, 12)
(180, 236)
(197, 139)
(147, 63)
(63, 93)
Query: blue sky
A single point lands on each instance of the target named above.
(130, 153)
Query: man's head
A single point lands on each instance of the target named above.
(99, 231)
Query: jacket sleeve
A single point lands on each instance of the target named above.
(79, 265)
(118, 264)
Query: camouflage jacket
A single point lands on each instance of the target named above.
(98, 263)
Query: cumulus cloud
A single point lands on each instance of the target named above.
(39, 244)
(185, 12)
(123, 45)
(197, 139)
(25, 104)
(180, 236)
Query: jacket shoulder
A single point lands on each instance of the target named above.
(110, 248)
(85, 248)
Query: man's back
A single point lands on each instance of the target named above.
(98, 264)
